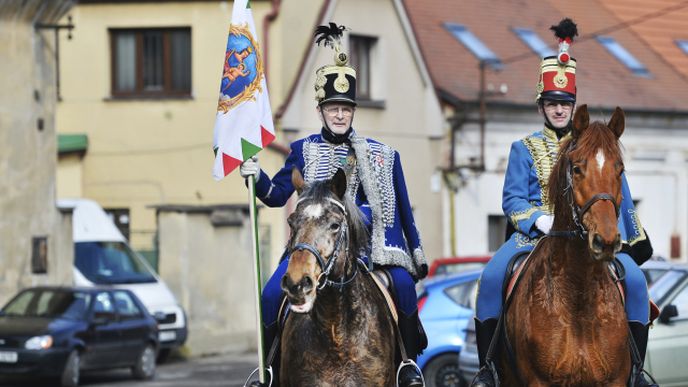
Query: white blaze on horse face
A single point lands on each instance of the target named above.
(600, 159)
(313, 211)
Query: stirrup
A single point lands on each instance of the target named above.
(408, 362)
(255, 371)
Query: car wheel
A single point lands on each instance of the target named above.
(70, 373)
(443, 371)
(145, 364)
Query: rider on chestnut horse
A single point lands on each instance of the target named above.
(526, 205)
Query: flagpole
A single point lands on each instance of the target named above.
(257, 277)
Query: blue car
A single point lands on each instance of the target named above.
(446, 305)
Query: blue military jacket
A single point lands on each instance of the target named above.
(376, 183)
(525, 195)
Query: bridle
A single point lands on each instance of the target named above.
(579, 212)
(326, 266)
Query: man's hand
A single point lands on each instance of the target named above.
(250, 167)
(544, 223)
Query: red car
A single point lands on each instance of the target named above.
(456, 264)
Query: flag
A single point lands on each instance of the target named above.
(243, 125)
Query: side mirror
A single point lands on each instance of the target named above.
(667, 313)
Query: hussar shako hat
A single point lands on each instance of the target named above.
(558, 73)
(337, 82)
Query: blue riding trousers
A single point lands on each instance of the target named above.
(404, 286)
(489, 303)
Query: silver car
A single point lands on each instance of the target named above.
(667, 348)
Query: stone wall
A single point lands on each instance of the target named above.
(32, 230)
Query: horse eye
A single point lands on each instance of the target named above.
(334, 226)
(577, 170)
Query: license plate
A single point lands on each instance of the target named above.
(167, 335)
(8, 357)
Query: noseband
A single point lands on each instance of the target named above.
(579, 212)
(326, 267)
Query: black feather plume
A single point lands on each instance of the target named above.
(328, 34)
(565, 29)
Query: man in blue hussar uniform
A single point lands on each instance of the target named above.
(376, 183)
(525, 204)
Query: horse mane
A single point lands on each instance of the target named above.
(596, 136)
(359, 238)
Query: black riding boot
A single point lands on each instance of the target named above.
(269, 337)
(415, 341)
(483, 336)
(639, 333)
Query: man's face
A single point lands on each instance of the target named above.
(558, 112)
(337, 116)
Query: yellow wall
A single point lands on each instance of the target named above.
(151, 151)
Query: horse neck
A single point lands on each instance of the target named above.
(333, 305)
(568, 264)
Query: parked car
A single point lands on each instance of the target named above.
(445, 304)
(451, 265)
(102, 257)
(668, 339)
(56, 332)
(667, 346)
(469, 364)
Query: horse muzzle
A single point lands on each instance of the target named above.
(301, 294)
(602, 249)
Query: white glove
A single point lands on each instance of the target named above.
(250, 167)
(544, 223)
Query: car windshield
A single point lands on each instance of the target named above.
(664, 284)
(53, 303)
(111, 263)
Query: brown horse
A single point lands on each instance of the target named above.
(340, 331)
(566, 322)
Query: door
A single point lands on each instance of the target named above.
(103, 350)
(668, 344)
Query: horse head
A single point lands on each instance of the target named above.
(589, 170)
(325, 227)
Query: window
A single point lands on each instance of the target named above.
(475, 45)
(361, 52)
(103, 307)
(532, 40)
(623, 56)
(496, 230)
(125, 305)
(683, 45)
(151, 62)
(120, 217)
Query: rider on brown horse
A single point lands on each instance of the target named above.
(376, 184)
(526, 205)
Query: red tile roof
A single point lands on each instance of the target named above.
(602, 80)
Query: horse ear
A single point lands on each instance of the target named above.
(338, 183)
(581, 121)
(618, 122)
(297, 180)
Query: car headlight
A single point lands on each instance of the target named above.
(39, 342)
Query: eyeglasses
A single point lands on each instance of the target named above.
(334, 111)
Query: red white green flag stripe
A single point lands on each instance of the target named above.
(243, 125)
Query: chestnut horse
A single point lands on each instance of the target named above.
(566, 322)
(340, 331)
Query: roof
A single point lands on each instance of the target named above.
(660, 33)
(602, 80)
